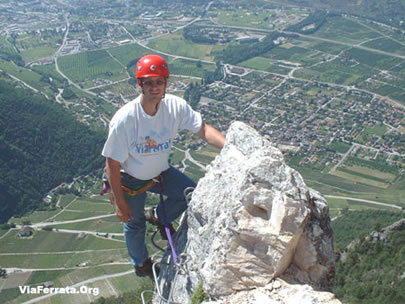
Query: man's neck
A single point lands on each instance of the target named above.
(150, 106)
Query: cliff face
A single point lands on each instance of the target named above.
(251, 220)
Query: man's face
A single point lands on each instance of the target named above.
(154, 86)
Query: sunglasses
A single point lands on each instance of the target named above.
(150, 83)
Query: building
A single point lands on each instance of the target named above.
(25, 231)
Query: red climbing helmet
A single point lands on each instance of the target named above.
(151, 66)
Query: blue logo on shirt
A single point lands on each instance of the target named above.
(150, 145)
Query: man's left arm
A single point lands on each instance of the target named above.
(211, 135)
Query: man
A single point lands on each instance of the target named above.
(137, 151)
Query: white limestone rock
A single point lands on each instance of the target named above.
(251, 219)
(284, 294)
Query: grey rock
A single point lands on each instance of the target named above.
(251, 219)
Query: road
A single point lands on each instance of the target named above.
(342, 159)
(42, 224)
(190, 158)
(364, 201)
(53, 252)
(95, 233)
(11, 270)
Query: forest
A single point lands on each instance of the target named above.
(367, 270)
(372, 271)
(41, 146)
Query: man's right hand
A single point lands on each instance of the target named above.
(122, 209)
(124, 212)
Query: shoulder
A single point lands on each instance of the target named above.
(125, 114)
(176, 102)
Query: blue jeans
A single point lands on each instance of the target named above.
(174, 182)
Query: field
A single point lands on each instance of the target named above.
(368, 133)
(359, 178)
(261, 19)
(193, 171)
(38, 52)
(295, 54)
(38, 45)
(128, 53)
(336, 204)
(376, 173)
(346, 30)
(336, 185)
(339, 147)
(94, 206)
(118, 279)
(374, 60)
(189, 68)
(387, 45)
(104, 225)
(22, 73)
(205, 155)
(176, 156)
(67, 199)
(320, 46)
(90, 65)
(48, 242)
(246, 18)
(385, 89)
(127, 90)
(71, 258)
(63, 260)
(176, 44)
(265, 64)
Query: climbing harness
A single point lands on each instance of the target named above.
(143, 189)
(131, 192)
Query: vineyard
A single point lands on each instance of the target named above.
(127, 53)
(91, 65)
(190, 68)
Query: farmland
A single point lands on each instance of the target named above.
(176, 44)
(87, 66)
(261, 19)
(332, 100)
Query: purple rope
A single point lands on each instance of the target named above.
(166, 224)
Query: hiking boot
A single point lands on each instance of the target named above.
(151, 218)
(147, 269)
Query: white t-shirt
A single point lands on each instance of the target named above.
(142, 143)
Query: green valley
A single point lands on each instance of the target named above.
(324, 81)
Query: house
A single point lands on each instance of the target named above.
(48, 284)
(25, 231)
